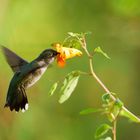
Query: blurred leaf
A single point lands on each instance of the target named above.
(102, 130)
(99, 50)
(72, 43)
(126, 113)
(53, 88)
(87, 33)
(73, 34)
(118, 103)
(69, 85)
(116, 108)
(110, 117)
(107, 138)
(113, 108)
(73, 40)
(89, 111)
(78, 35)
(106, 97)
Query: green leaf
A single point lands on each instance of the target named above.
(73, 34)
(114, 94)
(74, 39)
(110, 117)
(126, 113)
(116, 108)
(53, 88)
(69, 85)
(89, 111)
(102, 130)
(106, 97)
(87, 33)
(79, 35)
(107, 138)
(72, 43)
(99, 50)
(118, 103)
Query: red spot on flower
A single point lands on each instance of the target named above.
(61, 60)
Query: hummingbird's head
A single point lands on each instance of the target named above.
(48, 55)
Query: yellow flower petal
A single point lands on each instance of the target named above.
(67, 52)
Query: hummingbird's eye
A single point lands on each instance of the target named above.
(49, 54)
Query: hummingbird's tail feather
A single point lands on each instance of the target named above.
(17, 101)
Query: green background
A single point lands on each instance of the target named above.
(30, 26)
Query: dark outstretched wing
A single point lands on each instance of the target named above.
(13, 60)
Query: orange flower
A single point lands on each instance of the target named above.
(65, 53)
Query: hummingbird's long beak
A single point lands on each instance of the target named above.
(57, 53)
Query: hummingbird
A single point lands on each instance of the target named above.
(26, 74)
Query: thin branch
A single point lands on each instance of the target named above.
(83, 44)
(93, 74)
(114, 129)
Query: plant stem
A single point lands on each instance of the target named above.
(104, 87)
(114, 129)
(93, 74)
(96, 77)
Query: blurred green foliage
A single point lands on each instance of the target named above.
(30, 26)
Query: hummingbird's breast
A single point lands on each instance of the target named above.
(33, 77)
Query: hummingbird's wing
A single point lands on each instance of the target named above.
(13, 60)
